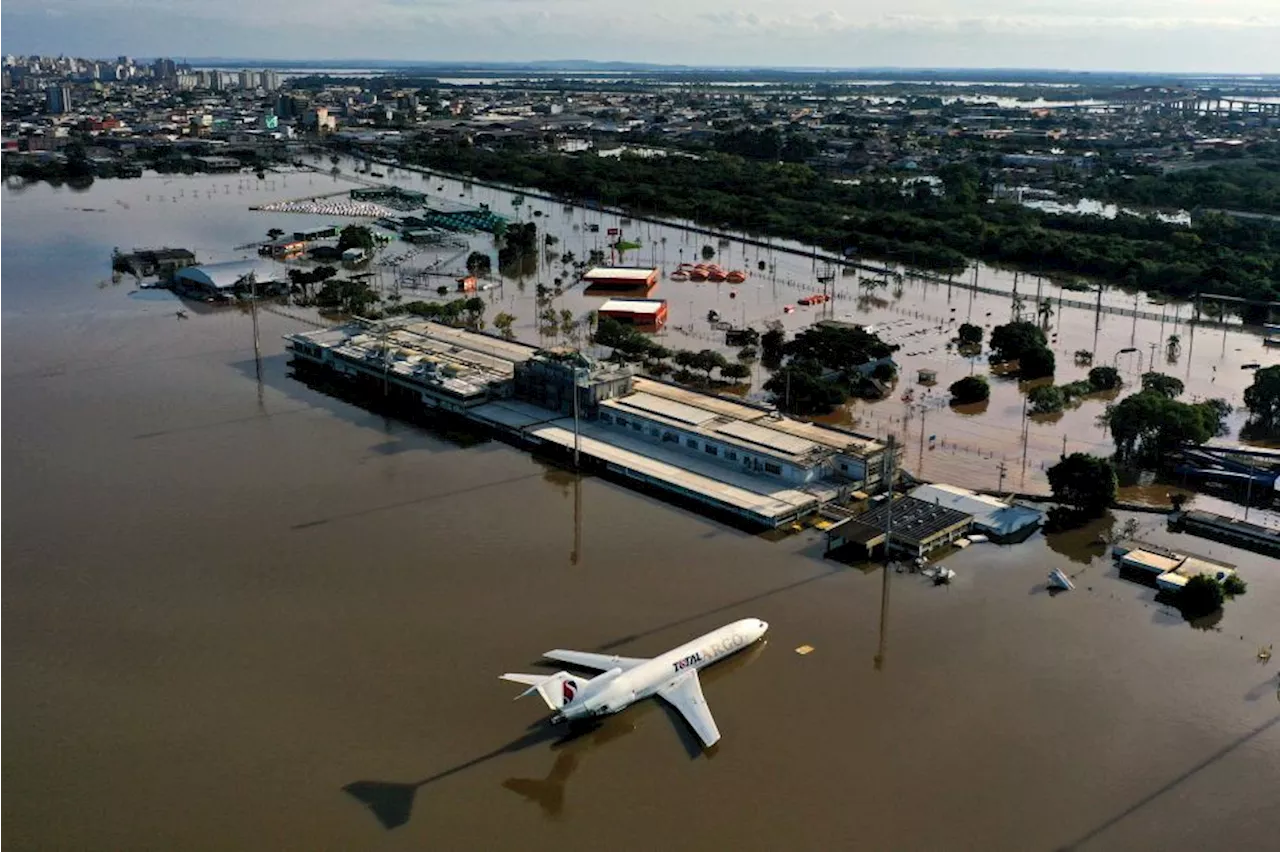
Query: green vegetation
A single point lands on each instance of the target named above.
(356, 236)
(1235, 186)
(1233, 586)
(1085, 482)
(1201, 596)
(1010, 341)
(503, 323)
(970, 389)
(771, 343)
(459, 312)
(824, 367)
(735, 372)
(1149, 425)
(304, 279)
(970, 334)
(1036, 363)
(350, 297)
(1104, 378)
(1054, 398)
(1262, 398)
(479, 263)
(518, 242)
(1048, 399)
(801, 388)
(1166, 386)
(767, 144)
(838, 348)
(875, 219)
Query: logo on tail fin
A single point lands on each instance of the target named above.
(569, 689)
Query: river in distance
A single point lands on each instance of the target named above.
(239, 613)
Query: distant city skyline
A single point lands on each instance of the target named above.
(1178, 36)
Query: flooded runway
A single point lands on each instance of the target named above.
(244, 614)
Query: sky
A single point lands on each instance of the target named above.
(1226, 36)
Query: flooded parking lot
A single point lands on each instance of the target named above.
(240, 613)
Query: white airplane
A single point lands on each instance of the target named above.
(626, 680)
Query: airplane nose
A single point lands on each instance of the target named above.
(764, 625)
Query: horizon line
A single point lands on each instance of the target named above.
(369, 63)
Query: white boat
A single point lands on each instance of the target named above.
(1058, 580)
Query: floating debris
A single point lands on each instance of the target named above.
(1058, 580)
(1264, 654)
(804, 649)
(940, 576)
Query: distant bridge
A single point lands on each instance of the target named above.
(1178, 101)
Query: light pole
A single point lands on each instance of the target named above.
(577, 437)
(1125, 351)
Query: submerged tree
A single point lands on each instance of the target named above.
(1262, 398)
(1086, 482)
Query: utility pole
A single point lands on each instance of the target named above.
(253, 310)
(577, 439)
(924, 410)
(1000, 487)
(888, 515)
(1064, 445)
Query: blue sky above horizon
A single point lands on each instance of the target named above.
(1225, 36)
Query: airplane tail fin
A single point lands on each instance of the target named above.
(557, 690)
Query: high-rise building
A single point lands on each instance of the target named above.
(290, 106)
(271, 80)
(248, 79)
(164, 69)
(57, 100)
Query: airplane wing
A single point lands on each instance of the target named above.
(685, 694)
(603, 662)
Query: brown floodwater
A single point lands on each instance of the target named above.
(240, 613)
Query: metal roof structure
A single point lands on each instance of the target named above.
(914, 521)
(227, 276)
(990, 513)
(650, 404)
(634, 306)
(768, 438)
(620, 273)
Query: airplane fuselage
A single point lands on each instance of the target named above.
(617, 689)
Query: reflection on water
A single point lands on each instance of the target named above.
(548, 793)
(1083, 544)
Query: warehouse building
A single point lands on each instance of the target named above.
(917, 528)
(226, 278)
(744, 437)
(643, 314)
(623, 280)
(1001, 522)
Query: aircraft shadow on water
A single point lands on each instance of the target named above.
(392, 802)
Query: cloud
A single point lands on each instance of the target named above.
(1140, 34)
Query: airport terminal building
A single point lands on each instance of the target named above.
(744, 460)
